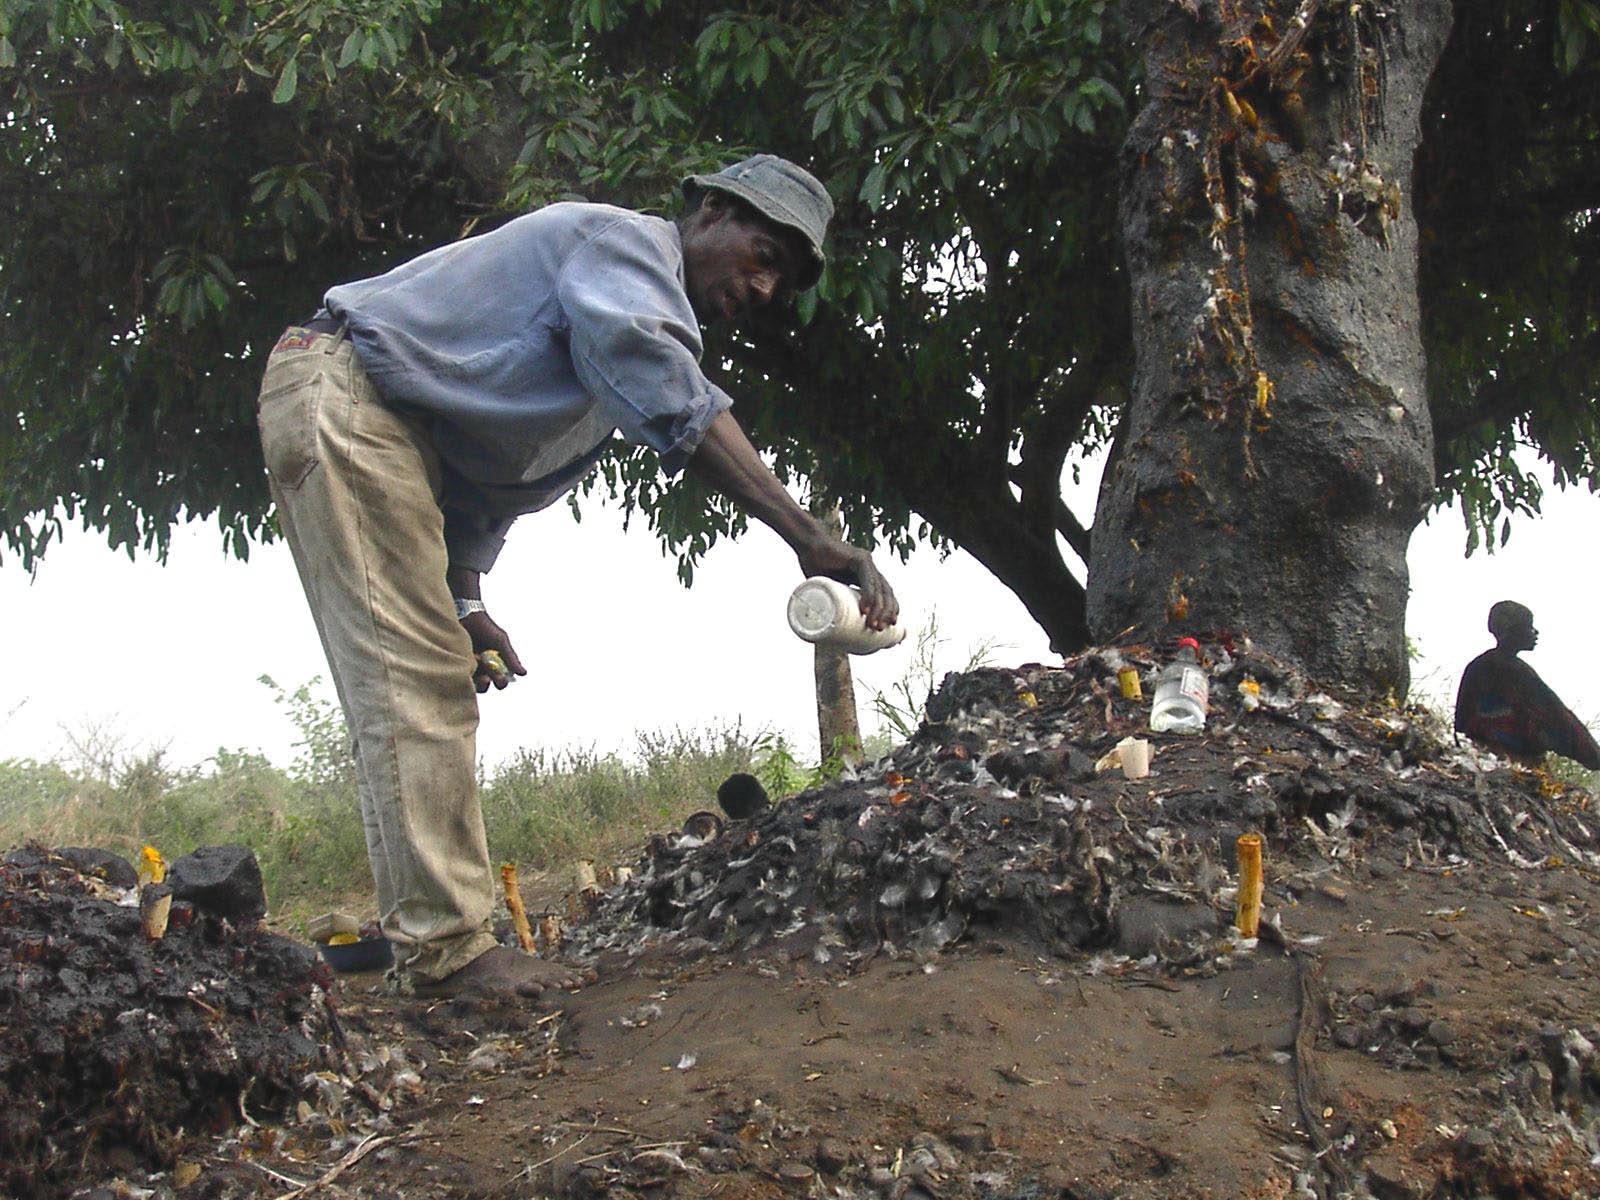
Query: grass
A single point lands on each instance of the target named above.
(543, 810)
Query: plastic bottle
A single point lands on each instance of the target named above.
(828, 612)
(1181, 693)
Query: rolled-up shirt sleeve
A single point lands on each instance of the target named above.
(635, 342)
(473, 538)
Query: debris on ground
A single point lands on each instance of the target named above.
(984, 969)
(994, 819)
(118, 1051)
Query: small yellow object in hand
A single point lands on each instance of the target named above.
(152, 867)
(491, 662)
(343, 939)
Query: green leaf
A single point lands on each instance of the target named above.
(287, 82)
(823, 119)
(872, 186)
(352, 48)
(215, 291)
(8, 53)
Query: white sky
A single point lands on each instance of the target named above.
(169, 655)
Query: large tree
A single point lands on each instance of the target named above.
(180, 180)
(1279, 446)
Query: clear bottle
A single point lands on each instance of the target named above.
(1181, 693)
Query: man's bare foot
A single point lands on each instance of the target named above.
(505, 974)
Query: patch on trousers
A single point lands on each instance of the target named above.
(296, 338)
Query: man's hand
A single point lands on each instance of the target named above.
(486, 635)
(851, 564)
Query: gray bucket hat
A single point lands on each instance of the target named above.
(782, 192)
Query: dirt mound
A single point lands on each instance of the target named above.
(115, 1050)
(994, 820)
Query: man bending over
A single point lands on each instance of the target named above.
(413, 419)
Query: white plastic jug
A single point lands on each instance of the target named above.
(828, 612)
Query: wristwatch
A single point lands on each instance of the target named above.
(465, 608)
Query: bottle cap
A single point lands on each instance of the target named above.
(1191, 643)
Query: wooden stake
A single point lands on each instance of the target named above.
(155, 907)
(1248, 917)
(519, 915)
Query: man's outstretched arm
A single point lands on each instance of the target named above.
(726, 460)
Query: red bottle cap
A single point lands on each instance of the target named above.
(1191, 643)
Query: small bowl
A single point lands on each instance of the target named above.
(369, 954)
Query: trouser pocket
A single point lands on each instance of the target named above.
(291, 397)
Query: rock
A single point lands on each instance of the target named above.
(224, 880)
(1388, 1182)
(1441, 1033)
(1348, 1035)
(1146, 926)
(1478, 1140)
(974, 1138)
(831, 1156)
(1364, 1002)
(102, 864)
(928, 1157)
(796, 1173)
(718, 1158)
(1413, 1020)
(742, 796)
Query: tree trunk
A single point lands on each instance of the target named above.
(1276, 452)
(838, 726)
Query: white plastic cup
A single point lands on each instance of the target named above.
(1134, 754)
(828, 613)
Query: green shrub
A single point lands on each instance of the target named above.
(542, 809)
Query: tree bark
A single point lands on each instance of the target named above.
(1276, 452)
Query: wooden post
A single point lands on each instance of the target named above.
(838, 727)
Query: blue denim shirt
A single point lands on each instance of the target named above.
(525, 349)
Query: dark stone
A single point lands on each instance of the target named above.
(742, 796)
(973, 1138)
(1347, 1035)
(832, 1156)
(1412, 1020)
(1364, 1002)
(1478, 1140)
(1148, 926)
(796, 1172)
(1441, 1033)
(1388, 1182)
(223, 880)
(1078, 767)
(102, 864)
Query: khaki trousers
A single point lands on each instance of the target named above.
(356, 487)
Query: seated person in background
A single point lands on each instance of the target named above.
(1504, 705)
